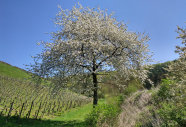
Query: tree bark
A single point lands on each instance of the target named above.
(95, 95)
(95, 83)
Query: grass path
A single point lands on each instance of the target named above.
(132, 108)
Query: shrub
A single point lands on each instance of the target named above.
(105, 113)
(101, 94)
(170, 103)
(164, 91)
(172, 115)
(120, 100)
(133, 86)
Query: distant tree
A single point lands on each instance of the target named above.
(178, 68)
(181, 49)
(157, 72)
(90, 41)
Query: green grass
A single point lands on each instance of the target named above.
(17, 122)
(77, 114)
(73, 118)
(12, 72)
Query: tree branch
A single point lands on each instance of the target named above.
(108, 57)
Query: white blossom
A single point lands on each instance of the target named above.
(91, 40)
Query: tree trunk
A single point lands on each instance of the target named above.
(95, 83)
(95, 90)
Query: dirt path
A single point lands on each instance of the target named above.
(132, 107)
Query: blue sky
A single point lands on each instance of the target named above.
(23, 23)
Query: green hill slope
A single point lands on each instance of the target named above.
(12, 71)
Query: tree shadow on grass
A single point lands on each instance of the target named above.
(23, 122)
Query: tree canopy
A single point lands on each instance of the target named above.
(90, 41)
(178, 68)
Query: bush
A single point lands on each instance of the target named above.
(102, 114)
(132, 87)
(170, 103)
(101, 94)
(105, 114)
(164, 91)
(172, 115)
(120, 100)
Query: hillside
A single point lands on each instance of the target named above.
(12, 71)
(23, 99)
(133, 106)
